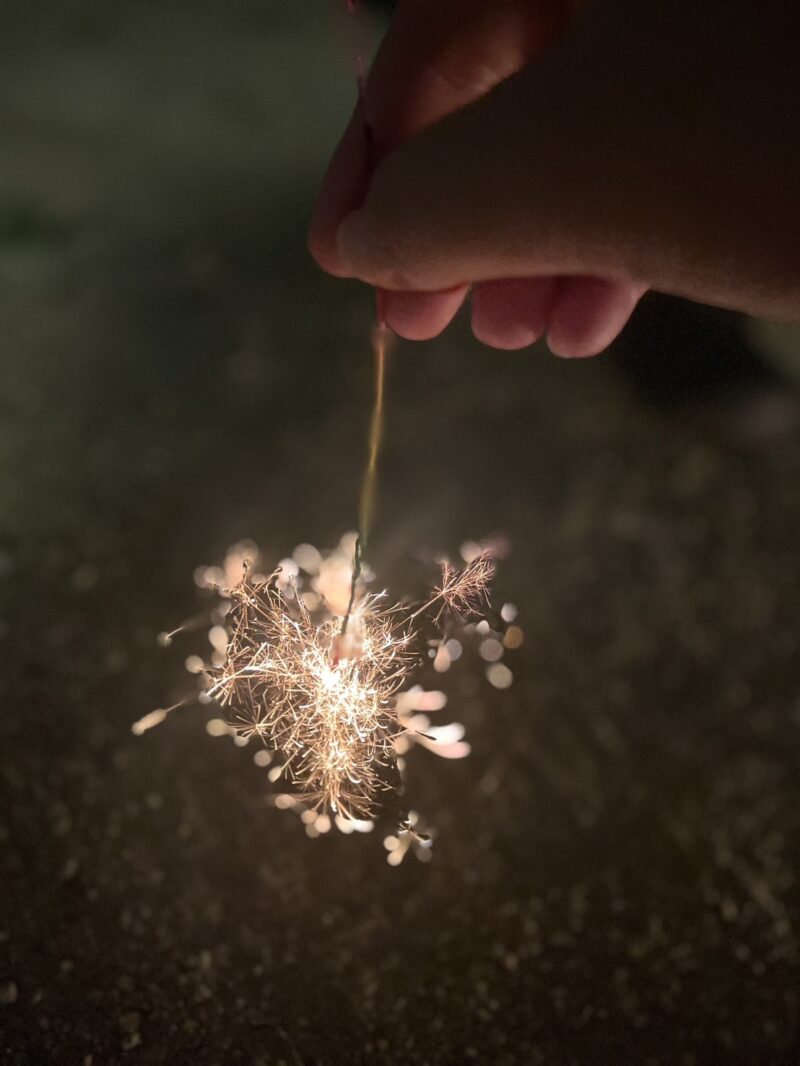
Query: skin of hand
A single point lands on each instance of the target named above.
(562, 162)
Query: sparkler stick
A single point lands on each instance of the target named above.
(380, 341)
(334, 704)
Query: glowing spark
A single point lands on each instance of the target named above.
(155, 718)
(148, 721)
(466, 591)
(337, 706)
(324, 698)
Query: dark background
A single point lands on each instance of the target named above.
(615, 874)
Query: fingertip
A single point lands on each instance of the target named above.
(511, 313)
(420, 316)
(509, 340)
(588, 314)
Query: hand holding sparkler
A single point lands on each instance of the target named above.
(650, 144)
(438, 57)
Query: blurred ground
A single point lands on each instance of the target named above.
(615, 877)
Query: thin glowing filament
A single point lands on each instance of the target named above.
(380, 339)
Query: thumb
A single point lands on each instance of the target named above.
(501, 188)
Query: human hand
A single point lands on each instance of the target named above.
(652, 146)
(437, 57)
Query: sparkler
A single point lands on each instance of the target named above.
(336, 710)
(324, 677)
(324, 698)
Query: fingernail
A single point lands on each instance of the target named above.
(343, 190)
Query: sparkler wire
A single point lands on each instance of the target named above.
(332, 707)
(375, 436)
(368, 482)
(380, 340)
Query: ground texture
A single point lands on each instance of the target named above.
(615, 873)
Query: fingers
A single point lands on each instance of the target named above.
(514, 312)
(469, 199)
(437, 56)
(580, 315)
(458, 51)
(434, 60)
(571, 168)
(588, 313)
(440, 55)
(419, 316)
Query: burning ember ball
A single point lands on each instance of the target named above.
(321, 690)
(324, 672)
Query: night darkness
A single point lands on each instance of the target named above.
(615, 872)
